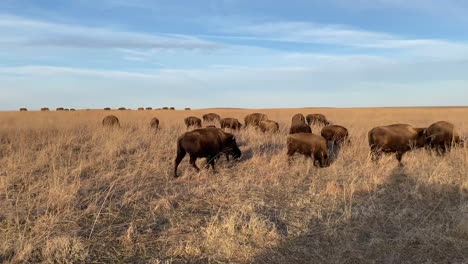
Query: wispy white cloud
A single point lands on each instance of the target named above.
(18, 31)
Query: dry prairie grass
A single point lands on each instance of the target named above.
(73, 192)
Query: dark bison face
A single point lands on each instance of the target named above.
(324, 161)
(421, 139)
(232, 149)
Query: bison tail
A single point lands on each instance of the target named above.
(180, 155)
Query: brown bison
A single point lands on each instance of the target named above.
(269, 126)
(141, 108)
(309, 145)
(192, 121)
(110, 121)
(165, 108)
(59, 109)
(442, 135)
(231, 123)
(298, 119)
(154, 123)
(66, 109)
(206, 143)
(335, 134)
(187, 108)
(44, 109)
(171, 108)
(317, 119)
(23, 109)
(106, 109)
(122, 108)
(300, 128)
(149, 108)
(72, 109)
(211, 117)
(397, 138)
(254, 119)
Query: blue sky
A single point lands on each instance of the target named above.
(233, 53)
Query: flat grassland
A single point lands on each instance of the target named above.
(73, 192)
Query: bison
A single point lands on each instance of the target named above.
(23, 109)
(298, 119)
(107, 109)
(165, 108)
(254, 119)
(122, 108)
(171, 108)
(187, 109)
(44, 109)
(110, 121)
(149, 108)
(192, 121)
(154, 123)
(206, 143)
(335, 134)
(269, 126)
(141, 108)
(441, 136)
(317, 119)
(231, 123)
(397, 138)
(59, 109)
(72, 109)
(300, 128)
(309, 145)
(211, 117)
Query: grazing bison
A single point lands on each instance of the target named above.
(154, 123)
(397, 138)
(122, 108)
(187, 108)
(254, 119)
(106, 109)
(23, 109)
(269, 126)
(165, 108)
(172, 108)
(149, 108)
(72, 109)
(59, 109)
(211, 117)
(66, 109)
(335, 134)
(192, 121)
(309, 145)
(441, 136)
(141, 108)
(300, 128)
(44, 109)
(298, 119)
(317, 119)
(206, 143)
(110, 121)
(231, 123)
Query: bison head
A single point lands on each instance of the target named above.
(421, 139)
(231, 148)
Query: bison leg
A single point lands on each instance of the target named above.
(290, 153)
(193, 159)
(399, 156)
(211, 161)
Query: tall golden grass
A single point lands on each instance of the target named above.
(73, 192)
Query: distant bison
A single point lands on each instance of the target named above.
(254, 119)
(335, 134)
(309, 145)
(269, 126)
(397, 138)
(165, 108)
(141, 108)
(300, 128)
(122, 108)
(317, 119)
(298, 119)
(154, 123)
(23, 109)
(206, 143)
(441, 136)
(59, 109)
(72, 109)
(106, 109)
(211, 117)
(149, 108)
(66, 109)
(192, 121)
(187, 109)
(172, 108)
(44, 109)
(110, 121)
(231, 123)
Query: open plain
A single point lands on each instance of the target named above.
(74, 192)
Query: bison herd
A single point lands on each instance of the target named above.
(211, 142)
